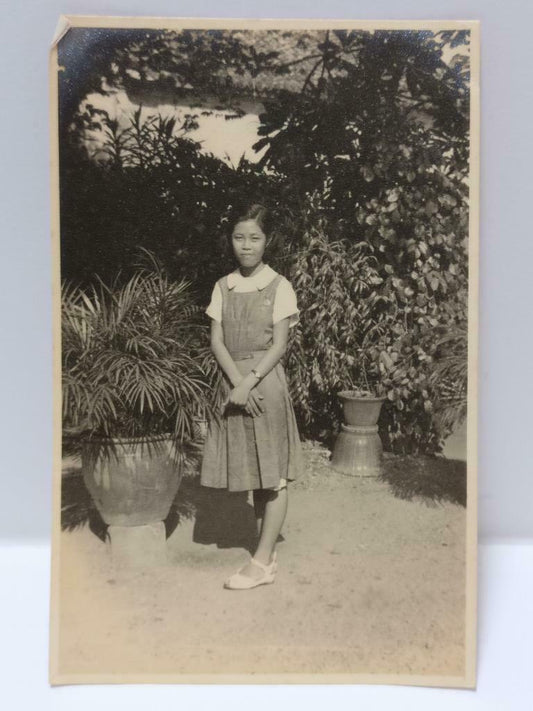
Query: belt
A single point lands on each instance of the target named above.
(244, 355)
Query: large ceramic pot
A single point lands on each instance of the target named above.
(358, 449)
(133, 482)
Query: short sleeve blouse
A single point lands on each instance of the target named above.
(285, 304)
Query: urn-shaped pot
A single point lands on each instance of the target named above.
(358, 449)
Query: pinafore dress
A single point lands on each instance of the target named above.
(241, 452)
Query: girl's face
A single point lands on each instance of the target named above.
(249, 242)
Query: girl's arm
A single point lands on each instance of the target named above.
(280, 336)
(222, 354)
(240, 393)
(242, 386)
(234, 375)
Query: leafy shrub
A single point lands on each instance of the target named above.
(355, 332)
(134, 361)
(151, 189)
(450, 376)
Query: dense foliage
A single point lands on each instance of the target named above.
(357, 332)
(366, 158)
(376, 146)
(156, 191)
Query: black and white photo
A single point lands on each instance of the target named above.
(265, 242)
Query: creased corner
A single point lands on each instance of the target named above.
(62, 27)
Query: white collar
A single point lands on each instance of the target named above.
(261, 279)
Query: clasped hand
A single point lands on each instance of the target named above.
(247, 398)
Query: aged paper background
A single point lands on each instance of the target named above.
(69, 566)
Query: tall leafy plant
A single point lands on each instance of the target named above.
(348, 333)
(354, 333)
(134, 360)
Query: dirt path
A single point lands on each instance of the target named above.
(367, 582)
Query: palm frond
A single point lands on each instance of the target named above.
(133, 358)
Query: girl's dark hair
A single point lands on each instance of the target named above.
(264, 217)
(261, 214)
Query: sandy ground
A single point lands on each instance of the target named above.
(371, 580)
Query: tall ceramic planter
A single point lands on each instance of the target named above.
(133, 483)
(358, 449)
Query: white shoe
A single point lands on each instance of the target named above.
(244, 582)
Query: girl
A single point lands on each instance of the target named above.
(253, 445)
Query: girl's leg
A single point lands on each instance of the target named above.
(260, 497)
(275, 513)
(274, 516)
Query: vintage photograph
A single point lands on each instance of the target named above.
(265, 247)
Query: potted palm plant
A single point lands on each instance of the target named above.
(135, 383)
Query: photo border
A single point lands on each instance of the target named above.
(468, 680)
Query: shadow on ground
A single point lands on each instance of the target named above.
(77, 507)
(222, 518)
(227, 520)
(434, 479)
